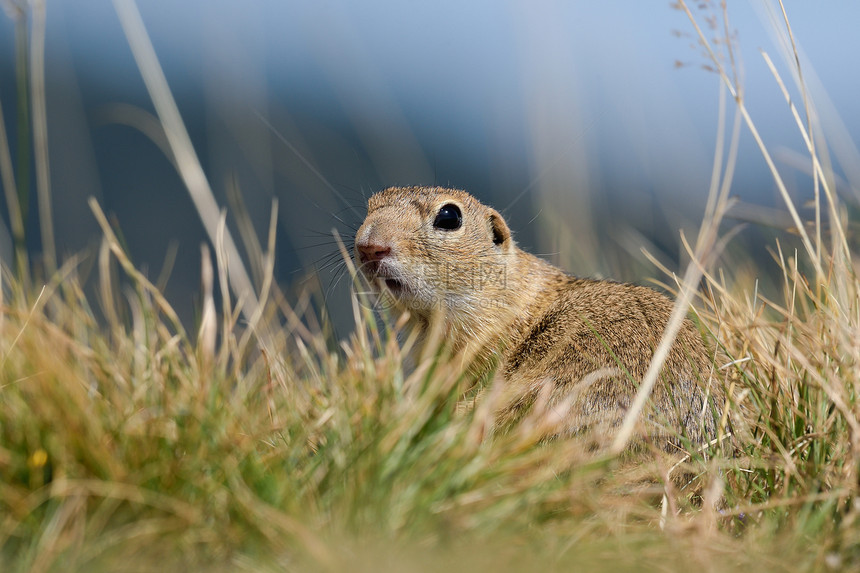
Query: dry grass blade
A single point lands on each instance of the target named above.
(208, 331)
(106, 289)
(180, 143)
(127, 265)
(819, 177)
(141, 120)
(810, 138)
(807, 243)
(36, 306)
(256, 326)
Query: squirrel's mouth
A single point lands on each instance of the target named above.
(395, 286)
(383, 279)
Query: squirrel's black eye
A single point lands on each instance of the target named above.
(448, 218)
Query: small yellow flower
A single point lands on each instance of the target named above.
(38, 459)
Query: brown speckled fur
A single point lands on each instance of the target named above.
(591, 340)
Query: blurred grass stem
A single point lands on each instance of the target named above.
(183, 151)
(40, 135)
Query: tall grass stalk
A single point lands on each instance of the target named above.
(10, 191)
(40, 134)
(16, 192)
(183, 152)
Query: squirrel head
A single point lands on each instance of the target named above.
(434, 249)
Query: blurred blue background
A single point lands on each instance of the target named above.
(590, 125)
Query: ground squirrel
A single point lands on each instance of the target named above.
(440, 252)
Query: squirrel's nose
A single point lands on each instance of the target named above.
(372, 251)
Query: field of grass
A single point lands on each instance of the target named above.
(258, 442)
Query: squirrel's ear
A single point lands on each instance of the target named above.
(499, 229)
